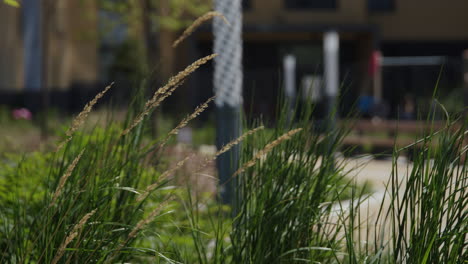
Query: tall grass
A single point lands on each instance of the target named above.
(105, 196)
(293, 205)
(285, 201)
(285, 190)
(90, 200)
(101, 199)
(428, 207)
(423, 216)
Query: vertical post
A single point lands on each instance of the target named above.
(376, 72)
(228, 89)
(45, 28)
(289, 68)
(331, 46)
(465, 79)
(465, 91)
(32, 45)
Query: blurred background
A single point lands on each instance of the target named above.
(56, 55)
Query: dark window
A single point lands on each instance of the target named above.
(381, 5)
(246, 4)
(309, 4)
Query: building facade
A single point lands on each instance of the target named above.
(68, 47)
(389, 49)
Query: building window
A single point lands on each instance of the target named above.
(310, 4)
(381, 5)
(246, 5)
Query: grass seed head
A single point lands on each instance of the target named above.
(163, 176)
(266, 150)
(199, 21)
(81, 117)
(65, 177)
(200, 109)
(142, 223)
(163, 92)
(72, 236)
(228, 146)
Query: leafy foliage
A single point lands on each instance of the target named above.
(13, 3)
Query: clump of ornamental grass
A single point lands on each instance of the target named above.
(289, 208)
(285, 187)
(91, 206)
(287, 196)
(423, 213)
(100, 199)
(428, 212)
(112, 179)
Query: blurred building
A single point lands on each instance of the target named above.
(68, 41)
(391, 51)
(410, 40)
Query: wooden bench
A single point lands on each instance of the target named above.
(390, 133)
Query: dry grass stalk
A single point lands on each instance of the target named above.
(187, 119)
(229, 145)
(167, 89)
(196, 24)
(266, 150)
(60, 146)
(65, 177)
(151, 104)
(81, 117)
(163, 96)
(73, 235)
(163, 176)
(140, 225)
(179, 77)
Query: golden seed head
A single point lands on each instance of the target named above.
(73, 234)
(163, 92)
(142, 223)
(228, 146)
(65, 177)
(196, 24)
(81, 117)
(266, 150)
(161, 178)
(200, 109)
(231, 144)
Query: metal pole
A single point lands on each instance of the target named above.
(228, 89)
